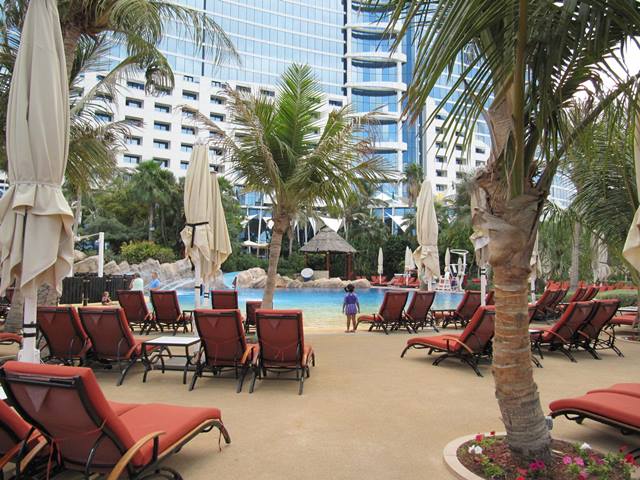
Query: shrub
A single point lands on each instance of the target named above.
(291, 265)
(137, 252)
(627, 297)
(239, 261)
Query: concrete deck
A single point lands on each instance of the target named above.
(365, 412)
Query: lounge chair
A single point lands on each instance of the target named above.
(7, 338)
(136, 309)
(591, 293)
(626, 320)
(281, 346)
(632, 389)
(20, 444)
(95, 436)
(224, 299)
(593, 335)
(63, 333)
(111, 338)
(542, 304)
(223, 345)
(562, 336)
(578, 295)
(553, 309)
(463, 312)
(390, 313)
(473, 344)
(5, 302)
(418, 314)
(490, 298)
(168, 312)
(611, 407)
(250, 319)
(379, 280)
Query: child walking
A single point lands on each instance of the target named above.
(350, 307)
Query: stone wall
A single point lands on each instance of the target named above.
(257, 278)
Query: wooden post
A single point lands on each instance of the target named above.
(306, 260)
(349, 266)
(327, 262)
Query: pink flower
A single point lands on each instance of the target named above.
(623, 448)
(579, 461)
(567, 460)
(521, 478)
(582, 476)
(522, 471)
(479, 437)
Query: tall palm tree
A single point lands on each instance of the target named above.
(413, 177)
(151, 186)
(527, 60)
(282, 150)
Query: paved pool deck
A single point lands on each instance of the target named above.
(365, 413)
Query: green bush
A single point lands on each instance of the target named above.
(239, 261)
(291, 265)
(137, 252)
(627, 298)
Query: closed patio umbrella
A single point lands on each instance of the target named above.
(380, 262)
(447, 261)
(221, 241)
(480, 238)
(200, 233)
(36, 240)
(426, 255)
(631, 250)
(535, 267)
(599, 260)
(408, 263)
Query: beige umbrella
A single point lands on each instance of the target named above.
(599, 260)
(36, 240)
(380, 263)
(200, 233)
(480, 237)
(535, 268)
(426, 255)
(221, 242)
(631, 250)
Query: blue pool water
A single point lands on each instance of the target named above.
(322, 308)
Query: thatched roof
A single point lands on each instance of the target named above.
(327, 240)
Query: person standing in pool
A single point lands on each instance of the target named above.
(350, 307)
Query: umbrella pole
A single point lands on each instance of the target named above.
(29, 351)
(533, 289)
(197, 285)
(483, 286)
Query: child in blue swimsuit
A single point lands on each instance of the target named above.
(350, 306)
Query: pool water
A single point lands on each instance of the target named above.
(322, 308)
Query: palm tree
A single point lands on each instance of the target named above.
(282, 150)
(413, 177)
(151, 186)
(527, 60)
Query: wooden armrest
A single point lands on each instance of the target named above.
(128, 456)
(556, 335)
(458, 342)
(42, 443)
(7, 457)
(248, 351)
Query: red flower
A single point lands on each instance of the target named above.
(628, 458)
(522, 471)
(623, 448)
(521, 478)
(479, 437)
(492, 433)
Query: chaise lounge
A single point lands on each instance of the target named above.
(135, 308)
(64, 336)
(390, 313)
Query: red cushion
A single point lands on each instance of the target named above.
(10, 337)
(11, 424)
(437, 341)
(175, 421)
(367, 318)
(632, 389)
(623, 320)
(621, 408)
(120, 408)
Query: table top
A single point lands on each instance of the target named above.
(630, 309)
(173, 341)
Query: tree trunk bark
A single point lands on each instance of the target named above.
(47, 295)
(150, 236)
(574, 269)
(70, 36)
(280, 225)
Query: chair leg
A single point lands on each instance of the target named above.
(253, 380)
(567, 354)
(473, 363)
(243, 374)
(405, 351)
(301, 384)
(535, 361)
(196, 374)
(125, 371)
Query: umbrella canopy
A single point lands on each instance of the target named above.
(408, 260)
(535, 259)
(380, 261)
(631, 250)
(447, 261)
(480, 236)
(36, 239)
(426, 255)
(599, 260)
(205, 234)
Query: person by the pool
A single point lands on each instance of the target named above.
(137, 283)
(350, 307)
(154, 284)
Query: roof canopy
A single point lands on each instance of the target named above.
(327, 240)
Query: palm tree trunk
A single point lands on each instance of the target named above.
(47, 295)
(70, 36)
(150, 236)
(574, 269)
(280, 226)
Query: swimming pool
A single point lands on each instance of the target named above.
(322, 307)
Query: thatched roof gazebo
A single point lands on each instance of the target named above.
(327, 241)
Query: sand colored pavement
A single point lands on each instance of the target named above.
(365, 412)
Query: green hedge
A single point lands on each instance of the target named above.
(627, 298)
(137, 252)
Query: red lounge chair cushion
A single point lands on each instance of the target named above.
(10, 337)
(631, 389)
(175, 421)
(369, 318)
(437, 341)
(121, 408)
(11, 423)
(623, 320)
(624, 409)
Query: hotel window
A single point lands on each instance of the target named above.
(103, 116)
(480, 150)
(215, 83)
(162, 108)
(162, 126)
(268, 93)
(133, 103)
(461, 161)
(133, 140)
(188, 130)
(186, 147)
(163, 162)
(135, 85)
(441, 173)
(459, 148)
(438, 129)
(243, 89)
(132, 121)
(161, 144)
(216, 117)
(188, 78)
(132, 159)
(215, 151)
(103, 96)
(188, 113)
(184, 165)
(217, 100)
(440, 188)
(480, 163)
(189, 95)
(335, 103)
(440, 159)
(459, 175)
